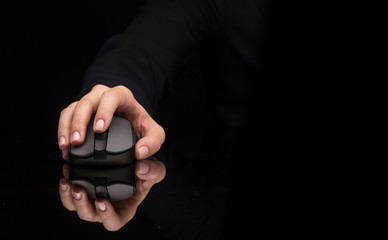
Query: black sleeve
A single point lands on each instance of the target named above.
(158, 42)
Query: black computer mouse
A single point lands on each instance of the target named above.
(112, 183)
(114, 147)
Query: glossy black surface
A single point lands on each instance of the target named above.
(216, 178)
(45, 49)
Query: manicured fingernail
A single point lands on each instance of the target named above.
(101, 206)
(99, 125)
(76, 196)
(62, 141)
(63, 187)
(75, 136)
(143, 152)
(143, 168)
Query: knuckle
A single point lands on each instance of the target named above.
(64, 111)
(156, 144)
(123, 88)
(69, 208)
(84, 102)
(102, 111)
(68, 109)
(163, 133)
(125, 91)
(111, 93)
(111, 227)
(98, 87)
(162, 170)
(159, 173)
(84, 217)
(78, 123)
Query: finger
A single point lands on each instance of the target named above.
(82, 113)
(109, 102)
(65, 194)
(129, 107)
(66, 170)
(82, 205)
(126, 209)
(111, 220)
(64, 126)
(150, 173)
(150, 170)
(151, 134)
(152, 138)
(65, 154)
(81, 117)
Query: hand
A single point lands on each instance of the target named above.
(116, 215)
(73, 121)
(105, 102)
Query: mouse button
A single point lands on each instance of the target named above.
(119, 191)
(87, 185)
(120, 136)
(87, 147)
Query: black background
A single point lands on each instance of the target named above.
(46, 46)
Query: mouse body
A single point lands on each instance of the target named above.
(114, 147)
(112, 183)
(104, 163)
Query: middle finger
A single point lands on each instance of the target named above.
(84, 208)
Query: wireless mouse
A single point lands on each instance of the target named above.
(114, 147)
(113, 183)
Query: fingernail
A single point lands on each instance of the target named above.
(75, 136)
(101, 206)
(76, 196)
(143, 168)
(143, 152)
(99, 125)
(62, 141)
(63, 187)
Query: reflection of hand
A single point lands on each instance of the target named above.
(73, 121)
(105, 102)
(112, 215)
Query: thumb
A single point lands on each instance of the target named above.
(151, 140)
(150, 170)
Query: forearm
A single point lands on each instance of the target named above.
(158, 43)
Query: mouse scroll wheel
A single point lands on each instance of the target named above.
(100, 140)
(101, 190)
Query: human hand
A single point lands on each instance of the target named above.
(112, 215)
(73, 121)
(105, 102)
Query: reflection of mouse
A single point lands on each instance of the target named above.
(113, 183)
(114, 147)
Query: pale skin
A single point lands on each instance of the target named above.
(106, 102)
